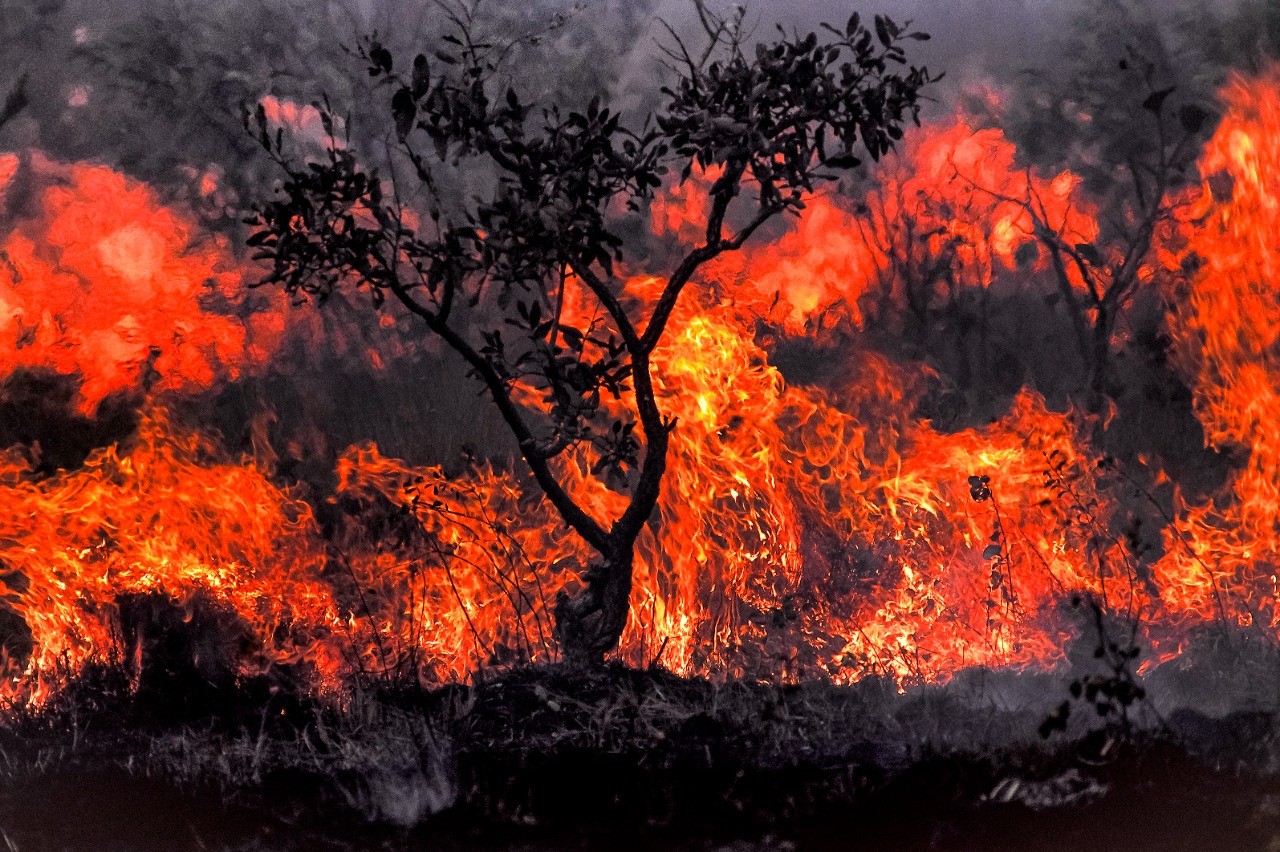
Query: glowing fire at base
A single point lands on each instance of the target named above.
(803, 530)
(167, 513)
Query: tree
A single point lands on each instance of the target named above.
(1098, 280)
(1127, 116)
(493, 277)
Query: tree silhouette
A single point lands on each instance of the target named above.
(493, 277)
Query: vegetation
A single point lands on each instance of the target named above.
(496, 278)
(504, 230)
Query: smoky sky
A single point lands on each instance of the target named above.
(157, 56)
(970, 39)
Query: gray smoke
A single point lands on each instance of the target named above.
(154, 86)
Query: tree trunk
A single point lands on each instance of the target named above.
(1100, 362)
(590, 625)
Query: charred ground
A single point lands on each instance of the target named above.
(555, 758)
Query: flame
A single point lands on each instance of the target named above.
(811, 540)
(104, 283)
(1222, 554)
(808, 541)
(167, 514)
(803, 529)
(947, 212)
(465, 581)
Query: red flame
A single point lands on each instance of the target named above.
(99, 280)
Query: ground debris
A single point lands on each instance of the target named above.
(1068, 789)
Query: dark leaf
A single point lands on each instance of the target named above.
(1026, 255)
(1156, 99)
(979, 488)
(886, 30)
(16, 100)
(1192, 118)
(421, 76)
(1090, 253)
(381, 58)
(842, 161)
(404, 110)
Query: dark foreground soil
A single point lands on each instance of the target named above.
(552, 760)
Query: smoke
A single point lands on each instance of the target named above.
(154, 90)
(155, 87)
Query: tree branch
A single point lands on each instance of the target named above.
(571, 512)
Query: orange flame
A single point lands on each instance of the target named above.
(1222, 555)
(166, 514)
(104, 283)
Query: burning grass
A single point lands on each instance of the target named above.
(834, 528)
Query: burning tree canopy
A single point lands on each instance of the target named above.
(540, 256)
